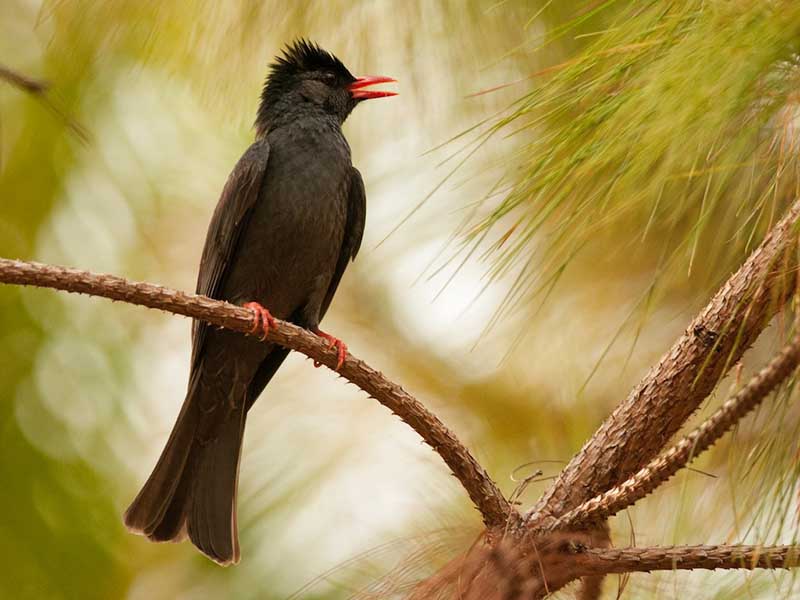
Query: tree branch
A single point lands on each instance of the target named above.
(597, 561)
(580, 561)
(505, 571)
(494, 508)
(670, 462)
(550, 572)
(656, 409)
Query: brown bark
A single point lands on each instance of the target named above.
(567, 560)
(488, 499)
(632, 560)
(508, 571)
(673, 389)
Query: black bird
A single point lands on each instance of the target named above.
(289, 221)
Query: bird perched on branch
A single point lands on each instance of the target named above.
(289, 221)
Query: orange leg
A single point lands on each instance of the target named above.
(262, 319)
(333, 342)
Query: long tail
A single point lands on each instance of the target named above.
(192, 489)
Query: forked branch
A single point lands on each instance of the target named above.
(640, 427)
(670, 462)
(488, 499)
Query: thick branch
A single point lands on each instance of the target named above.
(493, 507)
(702, 438)
(656, 409)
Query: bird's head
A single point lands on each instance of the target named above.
(306, 78)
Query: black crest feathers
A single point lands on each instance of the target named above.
(298, 58)
(304, 56)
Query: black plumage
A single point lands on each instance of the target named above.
(289, 221)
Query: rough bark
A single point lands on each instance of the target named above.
(508, 571)
(550, 572)
(645, 560)
(670, 462)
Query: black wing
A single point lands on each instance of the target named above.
(229, 221)
(353, 232)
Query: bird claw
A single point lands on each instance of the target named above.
(333, 342)
(262, 319)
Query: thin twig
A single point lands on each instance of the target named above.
(23, 82)
(670, 462)
(488, 499)
(39, 89)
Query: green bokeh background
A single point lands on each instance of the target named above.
(584, 174)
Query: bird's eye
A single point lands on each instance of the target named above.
(328, 78)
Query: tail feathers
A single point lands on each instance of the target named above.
(192, 489)
(148, 510)
(211, 516)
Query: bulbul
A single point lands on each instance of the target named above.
(289, 221)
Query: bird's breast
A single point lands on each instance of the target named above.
(296, 230)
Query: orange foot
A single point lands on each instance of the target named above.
(262, 319)
(333, 341)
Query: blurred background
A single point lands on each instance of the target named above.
(557, 190)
